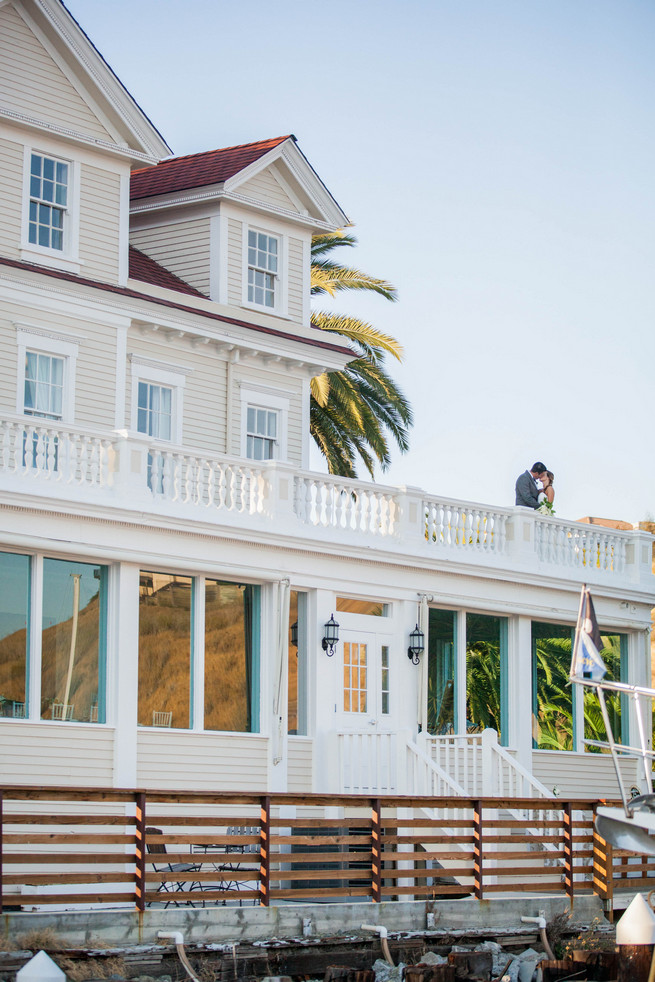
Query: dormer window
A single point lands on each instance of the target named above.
(263, 265)
(48, 201)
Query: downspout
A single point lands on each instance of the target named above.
(541, 924)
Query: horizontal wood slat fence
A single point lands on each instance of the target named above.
(68, 847)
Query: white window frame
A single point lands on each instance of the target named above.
(47, 343)
(156, 373)
(68, 257)
(263, 398)
(279, 308)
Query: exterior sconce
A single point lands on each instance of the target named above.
(294, 634)
(416, 645)
(331, 637)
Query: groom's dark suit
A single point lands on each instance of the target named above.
(527, 492)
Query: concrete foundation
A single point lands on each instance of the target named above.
(224, 925)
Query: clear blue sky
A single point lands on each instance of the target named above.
(497, 159)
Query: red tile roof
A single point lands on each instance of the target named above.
(125, 291)
(144, 268)
(198, 169)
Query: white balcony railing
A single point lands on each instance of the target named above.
(127, 470)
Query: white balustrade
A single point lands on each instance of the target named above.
(338, 503)
(44, 450)
(580, 546)
(460, 756)
(462, 525)
(234, 485)
(367, 763)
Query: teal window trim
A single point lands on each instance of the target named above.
(624, 697)
(459, 724)
(193, 638)
(28, 635)
(504, 683)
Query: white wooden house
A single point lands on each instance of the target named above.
(161, 531)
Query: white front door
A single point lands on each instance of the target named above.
(364, 721)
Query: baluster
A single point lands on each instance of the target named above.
(95, 461)
(40, 455)
(225, 495)
(324, 503)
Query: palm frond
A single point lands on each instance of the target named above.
(369, 339)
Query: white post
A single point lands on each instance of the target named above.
(489, 763)
(122, 670)
(519, 689)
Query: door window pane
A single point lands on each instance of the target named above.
(354, 677)
(385, 688)
(231, 657)
(484, 659)
(441, 672)
(165, 649)
(14, 606)
(552, 713)
(73, 641)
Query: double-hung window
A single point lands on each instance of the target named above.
(155, 410)
(263, 269)
(48, 201)
(44, 385)
(262, 428)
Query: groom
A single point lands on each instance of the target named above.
(527, 492)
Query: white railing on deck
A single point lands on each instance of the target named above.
(478, 763)
(45, 450)
(333, 502)
(425, 777)
(234, 485)
(462, 525)
(579, 546)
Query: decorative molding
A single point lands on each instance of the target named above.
(61, 131)
(163, 366)
(45, 333)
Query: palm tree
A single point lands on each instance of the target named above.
(355, 411)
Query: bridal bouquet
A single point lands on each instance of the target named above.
(546, 508)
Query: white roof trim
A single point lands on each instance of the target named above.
(103, 84)
(287, 152)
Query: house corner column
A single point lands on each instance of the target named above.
(123, 671)
(519, 689)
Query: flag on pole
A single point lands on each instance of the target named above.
(587, 662)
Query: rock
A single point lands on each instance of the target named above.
(432, 958)
(499, 958)
(387, 973)
(512, 973)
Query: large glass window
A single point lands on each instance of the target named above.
(552, 694)
(486, 659)
(48, 201)
(231, 657)
(73, 641)
(556, 723)
(441, 671)
(155, 410)
(14, 633)
(297, 664)
(165, 602)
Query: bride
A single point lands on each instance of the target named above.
(547, 494)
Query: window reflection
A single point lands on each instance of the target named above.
(14, 597)
(441, 672)
(165, 650)
(73, 641)
(231, 662)
(552, 716)
(485, 642)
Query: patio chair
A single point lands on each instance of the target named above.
(171, 884)
(162, 718)
(62, 710)
(234, 863)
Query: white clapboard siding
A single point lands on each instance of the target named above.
(11, 190)
(300, 768)
(288, 387)
(234, 262)
(33, 84)
(296, 280)
(203, 426)
(181, 247)
(57, 753)
(265, 187)
(99, 223)
(582, 775)
(170, 760)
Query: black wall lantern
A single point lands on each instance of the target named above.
(416, 645)
(294, 634)
(331, 637)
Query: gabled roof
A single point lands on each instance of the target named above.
(199, 169)
(144, 268)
